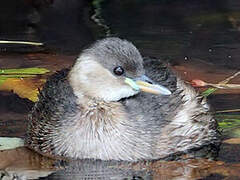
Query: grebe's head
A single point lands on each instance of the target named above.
(111, 69)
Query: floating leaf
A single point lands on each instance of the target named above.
(31, 71)
(24, 87)
(10, 143)
(2, 79)
(22, 81)
(233, 141)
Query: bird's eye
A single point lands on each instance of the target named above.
(118, 70)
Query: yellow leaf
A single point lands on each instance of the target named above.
(24, 87)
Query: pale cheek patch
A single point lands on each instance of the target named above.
(90, 78)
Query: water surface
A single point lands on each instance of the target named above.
(199, 38)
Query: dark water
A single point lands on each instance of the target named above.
(201, 38)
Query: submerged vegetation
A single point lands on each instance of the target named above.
(229, 124)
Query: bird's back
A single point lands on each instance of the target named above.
(178, 123)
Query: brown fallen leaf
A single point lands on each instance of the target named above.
(232, 141)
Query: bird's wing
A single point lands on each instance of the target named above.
(57, 103)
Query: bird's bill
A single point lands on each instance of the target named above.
(146, 85)
(152, 88)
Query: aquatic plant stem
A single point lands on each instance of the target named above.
(224, 82)
(230, 110)
(21, 42)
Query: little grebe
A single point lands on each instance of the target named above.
(98, 109)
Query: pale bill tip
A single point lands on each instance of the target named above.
(163, 90)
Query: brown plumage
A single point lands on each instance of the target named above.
(90, 112)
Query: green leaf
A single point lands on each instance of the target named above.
(35, 71)
(229, 124)
(21, 73)
(16, 76)
(208, 92)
